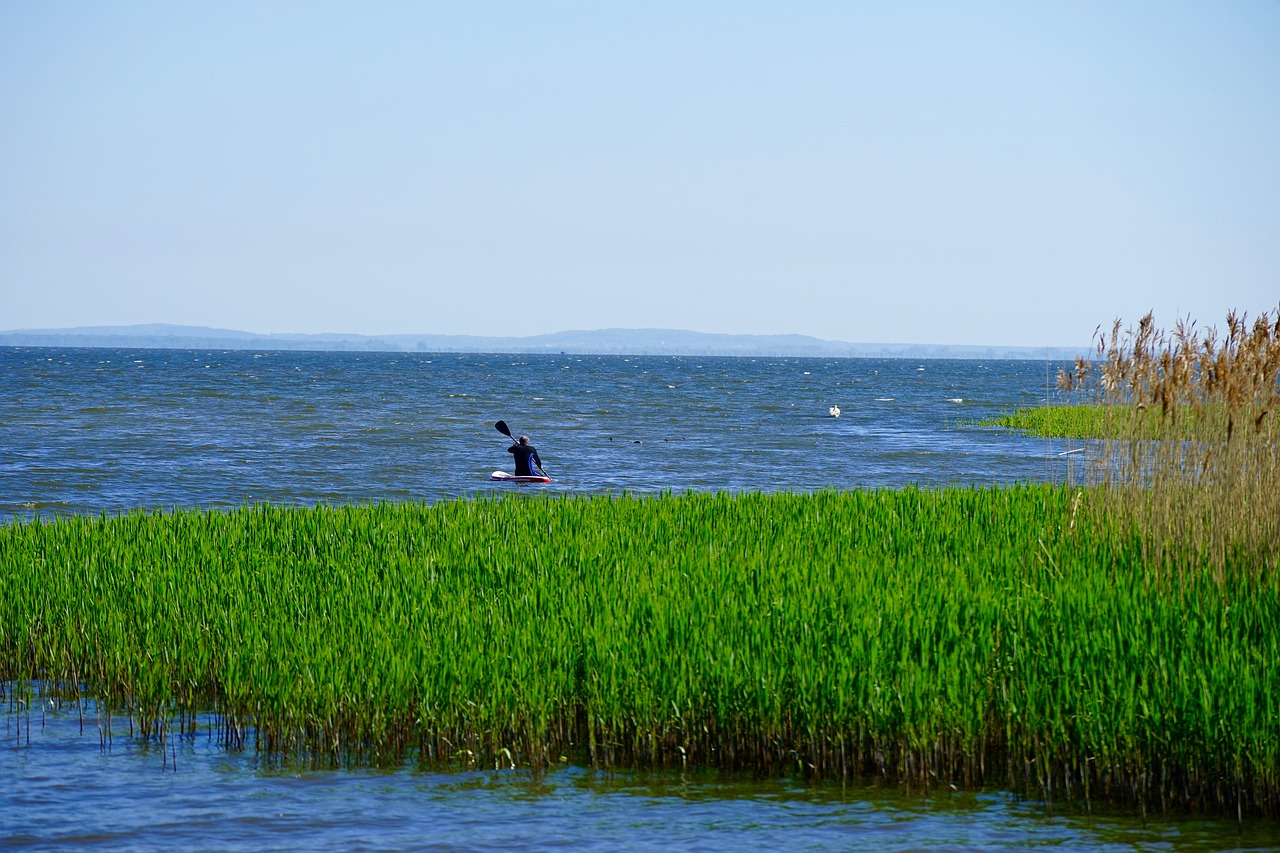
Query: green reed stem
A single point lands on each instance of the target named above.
(966, 635)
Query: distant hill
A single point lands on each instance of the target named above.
(599, 341)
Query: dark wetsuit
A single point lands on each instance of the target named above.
(523, 453)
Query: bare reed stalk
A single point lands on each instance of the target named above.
(1192, 455)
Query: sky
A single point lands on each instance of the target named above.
(949, 173)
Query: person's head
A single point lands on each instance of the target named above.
(524, 439)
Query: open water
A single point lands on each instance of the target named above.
(94, 430)
(90, 431)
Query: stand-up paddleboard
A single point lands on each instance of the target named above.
(504, 477)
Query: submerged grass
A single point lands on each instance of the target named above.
(964, 636)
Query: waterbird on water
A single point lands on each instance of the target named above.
(834, 411)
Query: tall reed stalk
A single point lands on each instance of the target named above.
(1191, 448)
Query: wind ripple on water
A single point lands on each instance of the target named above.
(89, 430)
(63, 792)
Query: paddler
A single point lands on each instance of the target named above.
(524, 451)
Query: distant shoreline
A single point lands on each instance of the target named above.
(597, 342)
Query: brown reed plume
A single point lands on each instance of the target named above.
(1191, 453)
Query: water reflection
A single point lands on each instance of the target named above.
(63, 791)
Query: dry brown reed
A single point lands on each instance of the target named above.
(1192, 454)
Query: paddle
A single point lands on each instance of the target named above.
(501, 426)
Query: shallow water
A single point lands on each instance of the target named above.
(89, 430)
(62, 790)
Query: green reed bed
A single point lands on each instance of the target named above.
(1099, 421)
(964, 636)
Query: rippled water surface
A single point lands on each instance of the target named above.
(59, 789)
(92, 430)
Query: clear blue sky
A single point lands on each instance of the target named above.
(992, 173)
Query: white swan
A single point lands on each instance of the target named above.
(834, 411)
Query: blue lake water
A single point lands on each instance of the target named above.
(89, 430)
(61, 789)
(92, 431)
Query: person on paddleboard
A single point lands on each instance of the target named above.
(524, 451)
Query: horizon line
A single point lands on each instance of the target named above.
(179, 330)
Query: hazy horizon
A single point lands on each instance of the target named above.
(183, 330)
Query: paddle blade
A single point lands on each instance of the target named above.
(501, 426)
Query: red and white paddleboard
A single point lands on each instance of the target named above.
(504, 477)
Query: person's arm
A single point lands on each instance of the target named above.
(536, 459)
